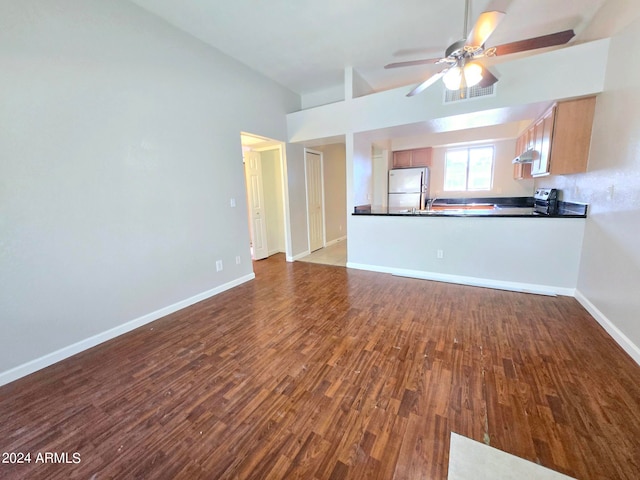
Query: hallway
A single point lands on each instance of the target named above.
(335, 254)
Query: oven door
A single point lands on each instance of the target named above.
(541, 207)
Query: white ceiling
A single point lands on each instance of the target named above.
(305, 45)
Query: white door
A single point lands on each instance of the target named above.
(313, 171)
(255, 197)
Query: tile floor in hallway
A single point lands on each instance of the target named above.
(335, 254)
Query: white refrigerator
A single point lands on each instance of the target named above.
(408, 188)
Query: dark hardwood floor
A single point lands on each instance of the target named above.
(320, 372)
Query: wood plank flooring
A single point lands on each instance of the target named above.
(321, 372)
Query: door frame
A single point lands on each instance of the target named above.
(271, 144)
(284, 192)
(306, 190)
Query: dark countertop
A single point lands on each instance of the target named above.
(480, 207)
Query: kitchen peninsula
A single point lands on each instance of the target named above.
(503, 245)
(480, 207)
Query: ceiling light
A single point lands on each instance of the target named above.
(452, 78)
(472, 76)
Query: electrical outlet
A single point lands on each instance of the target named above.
(232, 202)
(218, 265)
(238, 260)
(440, 253)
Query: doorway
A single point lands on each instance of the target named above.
(315, 199)
(267, 203)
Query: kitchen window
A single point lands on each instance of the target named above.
(468, 169)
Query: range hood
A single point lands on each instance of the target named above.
(527, 157)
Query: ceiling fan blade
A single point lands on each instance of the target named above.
(411, 63)
(551, 40)
(485, 25)
(427, 83)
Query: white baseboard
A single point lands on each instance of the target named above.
(66, 352)
(308, 252)
(471, 281)
(621, 339)
(334, 241)
(298, 256)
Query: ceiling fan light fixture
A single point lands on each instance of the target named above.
(472, 73)
(453, 78)
(462, 70)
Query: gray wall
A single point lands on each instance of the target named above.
(610, 265)
(119, 154)
(297, 195)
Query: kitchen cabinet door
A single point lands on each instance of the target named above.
(545, 143)
(419, 157)
(531, 137)
(538, 168)
(402, 159)
(562, 138)
(571, 136)
(521, 171)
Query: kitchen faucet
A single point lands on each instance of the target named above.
(430, 202)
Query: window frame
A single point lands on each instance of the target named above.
(468, 150)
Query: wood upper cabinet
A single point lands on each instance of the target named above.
(420, 157)
(562, 138)
(566, 138)
(538, 129)
(522, 171)
(402, 159)
(544, 145)
(570, 137)
(531, 138)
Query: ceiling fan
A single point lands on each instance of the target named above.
(460, 59)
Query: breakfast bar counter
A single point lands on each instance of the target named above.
(479, 207)
(497, 246)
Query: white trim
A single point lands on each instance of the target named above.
(293, 258)
(277, 145)
(334, 241)
(308, 251)
(471, 281)
(68, 351)
(285, 197)
(621, 339)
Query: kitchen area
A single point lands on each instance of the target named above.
(575, 256)
(417, 180)
(533, 253)
(514, 232)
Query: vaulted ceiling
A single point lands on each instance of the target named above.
(305, 45)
